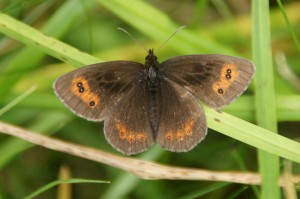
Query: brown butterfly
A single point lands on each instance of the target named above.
(154, 102)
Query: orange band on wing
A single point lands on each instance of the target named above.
(130, 136)
(141, 137)
(81, 88)
(169, 136)
(187, 129)
(228, 75)
(180, 135)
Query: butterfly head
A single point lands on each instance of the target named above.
(151, 60)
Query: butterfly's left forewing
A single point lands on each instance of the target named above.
(215, 79)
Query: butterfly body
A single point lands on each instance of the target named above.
(152, 75)
(155, 102)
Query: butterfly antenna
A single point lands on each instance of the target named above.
(180, 28)
(132, 37)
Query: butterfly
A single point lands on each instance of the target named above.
(154, 102)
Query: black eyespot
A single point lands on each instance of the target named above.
(92, 103)
(228, 76)
(81, 89)
(220, 91)
(79, 84)
(228, 71)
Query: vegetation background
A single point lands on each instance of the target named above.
(221, 27)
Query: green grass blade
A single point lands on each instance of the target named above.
(223, 9)
(17, 100)
(265, 95)
(199, 12)
(253, 135)
(291, 30)
(205, 190)
(51, 46)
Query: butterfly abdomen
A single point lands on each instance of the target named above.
(153, 104)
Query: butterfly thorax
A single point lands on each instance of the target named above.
(152, 80)
(152, 70)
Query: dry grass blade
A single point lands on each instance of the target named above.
(141, 168)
